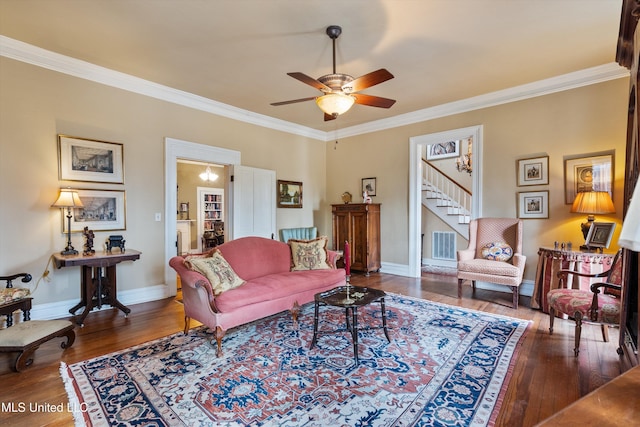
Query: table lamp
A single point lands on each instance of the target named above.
(68, 198)
(630, 234)
(591, 203)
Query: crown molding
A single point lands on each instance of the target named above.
(34, 55)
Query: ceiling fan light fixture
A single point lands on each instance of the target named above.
(335, 104)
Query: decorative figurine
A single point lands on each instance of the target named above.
(88, 244)
(365, 197)
(346, 197)
(116, 241)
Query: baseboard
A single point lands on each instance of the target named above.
(60, 309)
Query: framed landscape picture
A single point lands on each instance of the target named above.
(103, 210)
(289, 194)
(90, 160)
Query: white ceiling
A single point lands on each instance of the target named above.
(238, 51)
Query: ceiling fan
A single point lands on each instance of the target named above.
(340, 90)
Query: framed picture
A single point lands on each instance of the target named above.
(369, 185)
(533, 171)
(289, 194)
(600, 234)
(533, 205)
(90, 160)
(103, 210)
(443, 150)
(588, 172)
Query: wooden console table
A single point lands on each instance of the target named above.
(550, 261)
(97, 280)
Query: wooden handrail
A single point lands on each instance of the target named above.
(447, 176)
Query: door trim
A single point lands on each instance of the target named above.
(175, 149)
(415, 184)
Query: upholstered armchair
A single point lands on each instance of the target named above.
(599, 304)
(300, 233)
(494, 254)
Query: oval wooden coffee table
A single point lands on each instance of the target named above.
(349, 298)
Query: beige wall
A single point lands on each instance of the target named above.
(37, 104)
(584, 120)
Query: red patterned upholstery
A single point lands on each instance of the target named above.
(600, 304)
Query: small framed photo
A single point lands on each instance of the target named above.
(588, 172)
(443, 150)
(533, 205)
(533, 171)
(600, 234)
(369, 185)
(103, 210)
(90, 160)
(289, 194)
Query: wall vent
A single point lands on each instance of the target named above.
(443, 245)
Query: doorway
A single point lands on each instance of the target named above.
(416, 147)
(176, 149)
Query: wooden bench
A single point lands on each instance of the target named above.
(26, 337)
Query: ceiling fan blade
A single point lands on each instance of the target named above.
(293, 101)
(373, 101)
(328, 117)
(310, 81)
(368, 80)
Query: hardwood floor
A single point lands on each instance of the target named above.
(546, 376)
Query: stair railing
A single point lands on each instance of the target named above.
(447, 188)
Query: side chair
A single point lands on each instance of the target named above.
(600, 304)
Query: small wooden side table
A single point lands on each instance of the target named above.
(97, 279)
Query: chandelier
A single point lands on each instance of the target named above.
(207, 175)
(464, 163)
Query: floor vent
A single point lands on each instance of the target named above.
(443, 245)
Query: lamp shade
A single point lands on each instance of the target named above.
(630, 234)
(335, 104)
(593, 202)
(68, 198)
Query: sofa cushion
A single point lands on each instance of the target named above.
(309, 254)
(218, 271)
(253, 257)
(12, 294)
(497, 251)
(274, 286)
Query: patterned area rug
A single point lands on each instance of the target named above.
(445, 366)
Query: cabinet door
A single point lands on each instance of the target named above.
(359, 249)
(340, 230)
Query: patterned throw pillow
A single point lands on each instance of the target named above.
(497, 251)
(309, 254)
(12, 294)
(218, 271)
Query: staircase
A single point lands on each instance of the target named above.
(446, 199)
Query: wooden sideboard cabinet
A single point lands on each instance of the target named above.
(359, 224)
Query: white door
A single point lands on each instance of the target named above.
(253, 202)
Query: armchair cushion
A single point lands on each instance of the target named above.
(309, 254)
(218, 271)
(12, 294)
(572, 301)
(487, 266)
(497, 251)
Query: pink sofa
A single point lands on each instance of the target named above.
(271, 286)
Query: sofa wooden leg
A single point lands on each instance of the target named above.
(219, 335)
(514, 289)
(460, 287)
(187, 324)
(295, 311)
(605, 333)
(552, 316)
